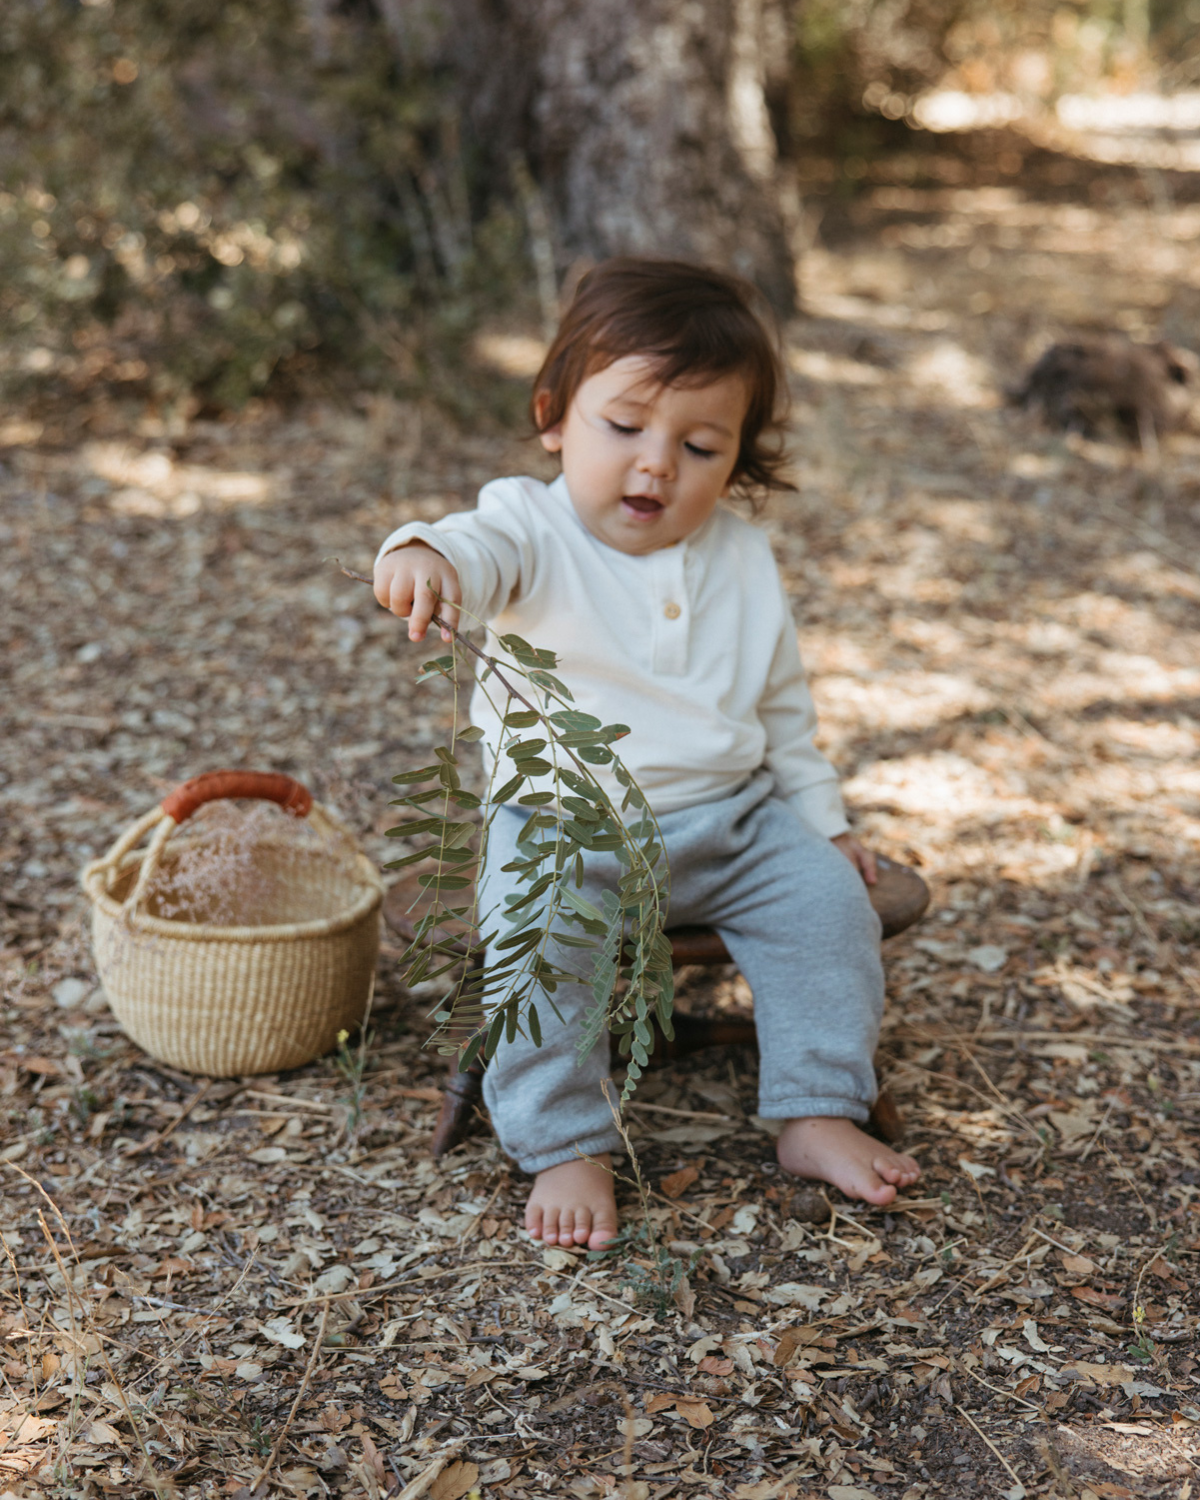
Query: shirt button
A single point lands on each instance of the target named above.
(672, 611)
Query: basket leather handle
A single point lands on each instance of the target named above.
(213, 786)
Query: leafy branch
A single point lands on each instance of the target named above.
(571, 813)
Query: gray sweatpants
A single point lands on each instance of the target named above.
(796, 919)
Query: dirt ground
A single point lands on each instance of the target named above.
(237, 1288)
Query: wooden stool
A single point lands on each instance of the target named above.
(899, 896)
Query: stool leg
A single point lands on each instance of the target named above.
(461, 1093)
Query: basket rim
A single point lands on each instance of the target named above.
(94, 885)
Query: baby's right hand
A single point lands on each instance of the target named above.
(409, 582)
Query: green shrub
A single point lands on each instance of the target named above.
(210, 196)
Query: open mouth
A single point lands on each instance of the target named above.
(642, 505)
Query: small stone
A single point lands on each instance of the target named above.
(809, 1206)
(68, 993)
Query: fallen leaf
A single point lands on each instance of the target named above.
(280, 1331)
(677, 1183)
(695, 1413)
(1082, 1369)
(660, 1401)
(1077, 1265)
(1033, 1338)
(796, 1294)
(1110, 1301)
(1160, 1269)
(711, 1365)
(456, 1480)
(635, 1427)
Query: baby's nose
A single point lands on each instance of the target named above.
(656, 459)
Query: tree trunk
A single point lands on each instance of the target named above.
(644, 123)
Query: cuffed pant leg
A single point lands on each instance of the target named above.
(797, 921)
(547, 1105)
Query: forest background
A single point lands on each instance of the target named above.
(205, 202)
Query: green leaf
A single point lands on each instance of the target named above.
(445, 756)
(406, 777)
(411, 859)
(521, 719)
(419, 799)
(454, 855)
(469, 736)
(584, 908)
(493, 1035)
(505, 793)
(535, 1026)
(596, 755)
(551, 684)
(534, 768)
(444, 882)
(527, 655)
(536, 799)
(465, 799)
(449, 776)
(519, 942)
(405, 830)
(574, 719)
(525, 749)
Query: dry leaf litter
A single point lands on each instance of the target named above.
(264, 1286)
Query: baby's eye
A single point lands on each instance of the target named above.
(700, 452)
(624, 430)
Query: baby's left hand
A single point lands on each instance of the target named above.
(862, 859)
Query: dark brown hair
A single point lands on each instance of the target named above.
(695, 325)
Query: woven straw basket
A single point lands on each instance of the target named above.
(268, 995)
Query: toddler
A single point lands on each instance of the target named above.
(665, 609)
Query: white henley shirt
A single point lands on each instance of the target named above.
(692, 646)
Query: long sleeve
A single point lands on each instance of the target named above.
(492, 548)
(802, 774)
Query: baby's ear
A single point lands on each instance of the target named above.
(551, 436)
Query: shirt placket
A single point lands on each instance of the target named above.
(672, 612)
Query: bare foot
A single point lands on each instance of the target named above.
(836, 1151)
(573, 1204)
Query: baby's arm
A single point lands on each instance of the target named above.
(415, 582)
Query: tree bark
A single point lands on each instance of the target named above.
(644, 122)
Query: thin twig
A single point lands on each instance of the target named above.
(1020, 1400)
(1015, 1476)
(1087, 1150)
(1003, 1271)
(300, 1394)
(153, 1141)
(1058, 1244)
(683, 1114)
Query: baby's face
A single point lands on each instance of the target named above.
(646, 463)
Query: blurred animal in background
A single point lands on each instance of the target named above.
(1108, 386)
